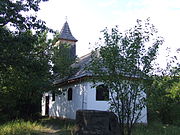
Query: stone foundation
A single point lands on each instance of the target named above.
(93, 122)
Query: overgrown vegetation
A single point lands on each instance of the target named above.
(156, 128)
(24, 67)
(25, 64)
(62, 61)
(164, 99)
(44, 126)
(66, 127)
(123, 63)
(20, 127)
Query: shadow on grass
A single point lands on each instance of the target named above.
(58, 126)
(68, 132)
(156, 128)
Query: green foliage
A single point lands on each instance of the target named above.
(42, 127)
(20, 127)
(164, 99)
(24, 74)
(164, 93)
(61, 59)
(66, 127)
(174, 90)
(63, 124)
(13, 13)
(24, 68)
(124, 64)
(156, 128)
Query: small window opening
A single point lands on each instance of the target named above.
(69, 94)
(102, 93)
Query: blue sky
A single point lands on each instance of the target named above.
(88, 17)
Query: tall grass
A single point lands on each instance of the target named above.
(21, 127)
(66, 127)
(42, 127)
(58, 123)
(156, 128)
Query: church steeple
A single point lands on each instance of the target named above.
(66, 34)
(66, 37)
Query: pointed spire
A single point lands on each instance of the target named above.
(66, 33)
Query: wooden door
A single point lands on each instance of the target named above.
(47, 106)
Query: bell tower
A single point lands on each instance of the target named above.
(66, 37)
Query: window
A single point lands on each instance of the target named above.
(53, 96)
(69, 94)
(102, 93)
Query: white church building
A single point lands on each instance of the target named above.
(78, 93)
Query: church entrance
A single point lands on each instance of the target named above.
(47, 106)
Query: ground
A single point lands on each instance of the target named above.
(57, 126)
(44, 126)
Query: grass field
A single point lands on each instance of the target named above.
(46, 126)
(156, 128)
(50, 126)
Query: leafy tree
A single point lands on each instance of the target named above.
(164, 95)
(163, 99)
(24, 68)
(123, 62)
(25, 76)
(61, 59)
(15, 13)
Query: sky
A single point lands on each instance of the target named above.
(87, 18)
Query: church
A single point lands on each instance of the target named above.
(78, 93)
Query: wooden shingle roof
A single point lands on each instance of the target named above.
(66, 34)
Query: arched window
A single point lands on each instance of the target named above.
(69, 96)
(102, 93)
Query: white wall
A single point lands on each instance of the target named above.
(92, 104)
(61, 107)
(43, 103)
(83, 97)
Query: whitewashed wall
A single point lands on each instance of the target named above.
(61, 107)
(43, 103)
(83, 97)
(92, 104)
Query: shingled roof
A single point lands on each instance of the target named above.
(66, 33)
(81, 72)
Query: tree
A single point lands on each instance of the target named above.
(164, 94)
(61, 60)
(13, 13)
(123, 63)
(24, 67)
(25, 76)
(163, 99)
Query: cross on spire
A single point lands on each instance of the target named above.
(66, 18)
